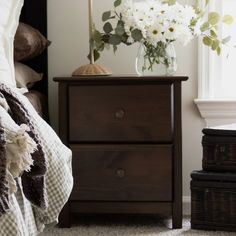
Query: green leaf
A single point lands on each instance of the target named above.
(207, 2)
(117, 3)
(169, 2)
(97, 37)
(227, 19)
(215, 44)
(193, 22)
(197, 10)
(106, 15)
(213, 34)
(226, 40)
(218, 51)
(124, 38)
(98, 44)
(105, 38)
(205, 26)
(107, 28)
(120, 29)
(120, 23)
(136, 35)
(115, 39)
(207, 41)
(114, 48)
(213, 18)
(96, 55)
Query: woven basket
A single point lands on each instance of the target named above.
(219, 148)
(219, 153)
(213, 204)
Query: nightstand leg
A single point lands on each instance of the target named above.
(64, 218)
(177, 218)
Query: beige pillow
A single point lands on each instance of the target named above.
(28, 43)
(25, 76)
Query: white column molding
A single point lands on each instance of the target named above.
(213, 111)
(217, 112)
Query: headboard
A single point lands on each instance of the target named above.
(34, 13)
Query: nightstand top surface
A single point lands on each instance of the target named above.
(120, 78)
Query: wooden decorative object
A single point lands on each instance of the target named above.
(92, 68)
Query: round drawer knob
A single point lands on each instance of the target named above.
(207, 191)
(120, 114)
(120, 173)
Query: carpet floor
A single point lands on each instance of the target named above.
(127, 226)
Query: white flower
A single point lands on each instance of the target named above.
(188, 13)
(158, 21)
(141, 19)
(171, 32)
(185, 35)
(154, 6)
(155, 34)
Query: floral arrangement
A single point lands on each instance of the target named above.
(156, 24)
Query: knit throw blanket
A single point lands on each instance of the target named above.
(33, 176)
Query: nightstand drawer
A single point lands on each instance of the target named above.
(131, 113)
(122, 172)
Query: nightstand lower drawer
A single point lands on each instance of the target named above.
(122, 172)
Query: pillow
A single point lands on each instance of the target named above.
(9, 19)
(25, 76)
(39, 101)
(28, 43)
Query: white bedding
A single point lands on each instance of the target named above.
(23, 219)
(9, 19)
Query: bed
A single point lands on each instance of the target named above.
(35, 167)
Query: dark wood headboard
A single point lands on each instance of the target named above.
(34, 13)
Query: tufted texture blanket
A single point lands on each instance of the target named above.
(33, 182)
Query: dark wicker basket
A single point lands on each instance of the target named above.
(219, 149)
(219, 153)
(213, 204)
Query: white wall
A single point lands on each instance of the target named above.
(68, 31)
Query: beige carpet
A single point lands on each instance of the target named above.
(127, 226)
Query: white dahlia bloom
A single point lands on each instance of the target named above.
(155, 34)
(159, 22)
(172, 32)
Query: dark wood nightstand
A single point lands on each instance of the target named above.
(126, 137)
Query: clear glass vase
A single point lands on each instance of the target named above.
(166, 65)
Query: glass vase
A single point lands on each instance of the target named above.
(165, 63)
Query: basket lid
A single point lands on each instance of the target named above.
(223, 130)
(213, 176)
(218, 140)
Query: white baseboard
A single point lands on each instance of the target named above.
(186, 205)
